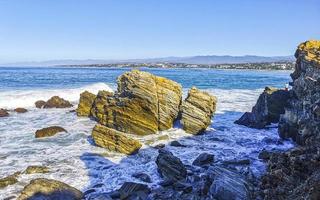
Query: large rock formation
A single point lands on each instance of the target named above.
(53, 102)
(143, 104)
(49, 131)
(85, 103)
(114, 140)
(269, 107)
(49, 189)
(301, 120)
(197, 111)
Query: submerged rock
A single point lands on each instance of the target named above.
(269, 107)
(142, 176)
(176, 144)
(49, 131)
(204, 159)
(143, 104)
(9, 180)
(85, 104)
(20, 110)
(114, 140)
(40, 103)
(36, 169)
(3, 113)
(57, 102)
(197, 111)
(170, 167)
(131, 190)
(42, 188)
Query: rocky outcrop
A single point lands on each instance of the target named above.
(36, 170)
(197, 111)
(49, 131)
(114, 140)
(269, 107)
(130, 190)
(143, 104)
(204, 159)
(170, 167)
(53, 102)
(49, 189)
(3, 113)
(9, 180)
(20, 110)
(85, 104)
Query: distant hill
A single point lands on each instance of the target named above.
(209, 59)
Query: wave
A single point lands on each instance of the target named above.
(26, 98)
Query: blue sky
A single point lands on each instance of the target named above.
(35, 30)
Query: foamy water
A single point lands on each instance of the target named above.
(73, 159)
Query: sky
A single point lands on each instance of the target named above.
(38, 30)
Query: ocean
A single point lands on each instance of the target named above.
(74, 159)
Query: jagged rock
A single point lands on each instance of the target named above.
(40, 103)
(49, 131)
(143, 104)
(114, 140)
(36, 169)
(197, 110)
(3, 113)
(57, 102)
(99, 107)
(9, 180)
(142, 176)
(269, 107)
(204, 159)
(20, 110)
(131, 190)
(42, 188)
(170, 167)
(85, 104)
(265, 155)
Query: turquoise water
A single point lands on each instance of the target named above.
(72, 158)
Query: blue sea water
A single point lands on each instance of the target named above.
(74, 159)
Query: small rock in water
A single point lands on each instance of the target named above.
(159, 146)
(170, 167)
(142, 176)
(9, 180)
(49, 131)
(36, 169)
(3, 113)
(40, 103)
(57, 102)
(204, 159)
(20, 110)
(176, 144)
(237, 162)
(131, 190)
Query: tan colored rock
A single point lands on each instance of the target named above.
(57, 102)
(3, 113)
(42, 188)
(143, 104)
(114, 140)
(20, 110)
(49, 131)
(85, 103)
(9, 180)
(99, 106)
(40, 103)
(36, 170)
(309, 51)
(197, 111)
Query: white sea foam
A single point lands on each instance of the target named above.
(26, 98)
(73, 159)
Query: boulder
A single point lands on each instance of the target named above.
(49, 131)
(197, 110)
(57, 102)
(114, 140)
(131, 190)
(85, 104)
(3, 113)
(170, 167)
(143, 104)
(9, 180)
(36, 170)
(40, 103)
(269, 107)
(42, 188)
(204, 159)
(177, 144)
(20, 110)
(142, 176)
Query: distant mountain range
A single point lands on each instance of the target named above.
(210, 59)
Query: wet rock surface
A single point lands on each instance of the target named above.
(36, 170)
(269, 107)
(49, 131)
(3, 113)
(49, 189)
(20, 110)
(85, 104)
(9, 180)
(204, 159)
(197, 110)
(53, 102)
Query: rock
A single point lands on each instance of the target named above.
(42, 188)
(269, 107)
(237, 162)
(9, 180)
(176, 144)
(197, 110)
(143, 104)
(36, 169)
(159, 146)
(204, 159)
(99, 107)
(3, 113)
(85, 104)
(49, 131)
(142, 176)
(57, 102)
(264, 155)
(40, 103)
(130, 190)
(20, 110)
(170, 167)
(114, 140)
